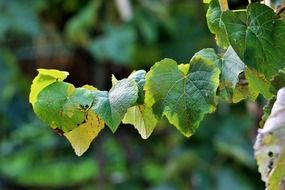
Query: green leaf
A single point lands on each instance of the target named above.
(242, 92)
(278, 81)
(251, 86)
(63, 106)
(258, 83)
(257, 38)
(183, 97)
(236, 28)
(142, 118)
(140, 115)
(215, 23)
(139, 78)
(230, 66)
(207, 1)
(111, 107)
(82, 136)
(267, 110)
(269, 146)
(44, 78)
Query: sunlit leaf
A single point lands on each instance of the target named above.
(258, 83)
(62, 106)
(230, 66)
(241, 92)
(139, 78)
(81, 137)
(215, 23)
(44, 78)
(183, 98)
(251, 86)
(142, 118)
(89, 87)
(111, 106)
(256, 38)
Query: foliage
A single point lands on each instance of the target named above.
(182, 93)
(142, 99)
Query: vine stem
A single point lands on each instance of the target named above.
(224, 5)
(249, 1)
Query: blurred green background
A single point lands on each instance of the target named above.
(93, 39)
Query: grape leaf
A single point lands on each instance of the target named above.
(230, 66)
(241, 92)
(63, 106)
(251, 86)
(183, 94)
(111, 107)
(235, 27)
(278, 81)
(82, 136)
(139, 78)
(258, 83)
(207, 1)
(44, 78)
(269, 146)
(257, 38)
(140, 115)
(215, 23)
(89, 87)
(142, 118)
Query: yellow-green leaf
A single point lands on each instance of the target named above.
(44, 78)
(258, 83)
(63, 106)
(142, 118)
(81, 137)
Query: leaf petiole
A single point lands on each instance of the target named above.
(224, 5)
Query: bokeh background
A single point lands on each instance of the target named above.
(93, 39)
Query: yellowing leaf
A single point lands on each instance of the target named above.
(255, 84)
(82, 136)
(114, 80)
(242, 92)
(142, 118)
(89, 87)
(258, 83)
(43, 79)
